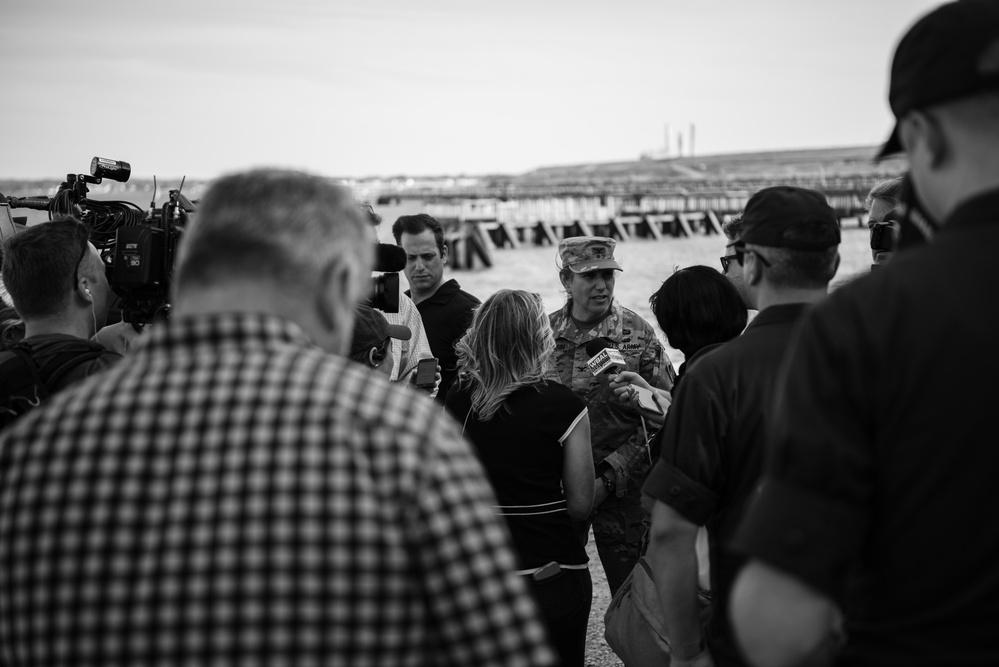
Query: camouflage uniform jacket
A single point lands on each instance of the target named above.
(617, 436)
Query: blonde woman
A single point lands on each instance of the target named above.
(533, 438)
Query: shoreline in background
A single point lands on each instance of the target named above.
(646, 264)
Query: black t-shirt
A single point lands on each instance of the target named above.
(885, 470)
(522, 454)
(446, 316)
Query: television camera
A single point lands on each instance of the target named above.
(137, 246)
(389, 261)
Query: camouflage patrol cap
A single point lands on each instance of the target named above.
(580, 254)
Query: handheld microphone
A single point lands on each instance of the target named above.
(389, 258)
(603, 357)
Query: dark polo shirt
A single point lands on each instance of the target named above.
(713, 445)
(446, 316)
(885, 471)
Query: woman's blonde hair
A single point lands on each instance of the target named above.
(508, 346)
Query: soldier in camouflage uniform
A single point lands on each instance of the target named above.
(618, 434)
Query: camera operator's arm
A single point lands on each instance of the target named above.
(120, 337)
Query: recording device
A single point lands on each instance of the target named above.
(137, 246)
(648, 400)
(603, 357)
(607, 359)
(883, 236)
(426, 372)
(389, 259)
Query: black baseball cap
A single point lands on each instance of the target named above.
(788, 217)
(950, 53)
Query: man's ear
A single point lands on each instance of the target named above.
(752, 269)
(334, 303)
(444, 255)
(83, 289)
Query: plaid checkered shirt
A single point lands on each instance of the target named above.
(231, 495)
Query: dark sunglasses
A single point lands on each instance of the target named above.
(726, 261)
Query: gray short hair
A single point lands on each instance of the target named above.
(887, 190)
(281, 226)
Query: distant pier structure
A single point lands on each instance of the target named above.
(480, 221)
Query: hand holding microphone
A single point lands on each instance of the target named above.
(625, 382)
(630, 387)
(604, 358)
(627, 385)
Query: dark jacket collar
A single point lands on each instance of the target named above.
(980, 209)
(444, 293)
(785, 312)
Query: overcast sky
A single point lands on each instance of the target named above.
(388, 87)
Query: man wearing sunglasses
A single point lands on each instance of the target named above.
(882, 220)
(729, 261)
(714, 441)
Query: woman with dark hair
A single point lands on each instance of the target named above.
(533, 438)
(697, 308)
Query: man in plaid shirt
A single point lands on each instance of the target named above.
(235, 495)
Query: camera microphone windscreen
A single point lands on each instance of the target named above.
(603, 357)
(389, 258)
